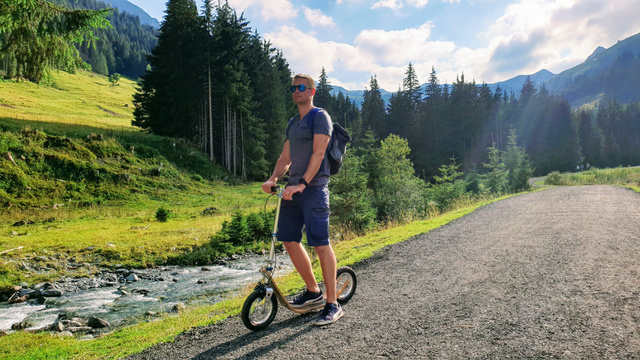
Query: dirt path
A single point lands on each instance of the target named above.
(551, 274)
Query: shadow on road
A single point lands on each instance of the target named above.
(247, 339)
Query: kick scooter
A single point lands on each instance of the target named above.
(261, 305)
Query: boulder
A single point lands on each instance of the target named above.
(178, 307)
(57, 327)
(51, 293)
(132, 278)
(97, 323)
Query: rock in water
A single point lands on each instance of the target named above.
(97, 323)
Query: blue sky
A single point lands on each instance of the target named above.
(487, 40)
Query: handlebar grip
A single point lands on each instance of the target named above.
(274, 188)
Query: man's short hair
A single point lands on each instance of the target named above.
(312, 83)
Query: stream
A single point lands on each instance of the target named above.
(123, 297)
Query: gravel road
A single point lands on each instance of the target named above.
(552, 274)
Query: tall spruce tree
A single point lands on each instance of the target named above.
(323, 97)
(374, 115)
(168, 101)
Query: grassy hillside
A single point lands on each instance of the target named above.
(79, 184)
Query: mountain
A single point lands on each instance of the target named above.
(515, 84)
(125, 6)
(356, 96)
(611, 73)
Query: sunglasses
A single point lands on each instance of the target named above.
(300, 88)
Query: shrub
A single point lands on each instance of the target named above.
(162, 214)
(351, 205)
(243, 229)
(555, 178)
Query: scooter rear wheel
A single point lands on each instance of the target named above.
(347, 282)
(259, 311)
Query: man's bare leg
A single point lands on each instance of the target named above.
(302, 263)
(329, 268)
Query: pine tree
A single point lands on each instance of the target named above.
(37, 36)
(323, 97)
(374, 115)
(411, 86)
(517, 164)
(168, 101)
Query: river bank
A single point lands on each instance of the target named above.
(120, 296)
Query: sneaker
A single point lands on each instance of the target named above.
(307, 300)
(330, 314)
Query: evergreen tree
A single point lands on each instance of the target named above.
(517, 164)
(397, 191)
(351, 204)
(168, 102)
(411, 86)
(37, 36)
(373, 111)
(323, 97)
(496, 178)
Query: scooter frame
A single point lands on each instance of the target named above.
(267, 288)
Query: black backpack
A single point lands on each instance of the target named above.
(337, 145)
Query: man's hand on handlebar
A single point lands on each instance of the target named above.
(292, 190)
(268, 186)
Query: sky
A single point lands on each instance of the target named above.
(484, 40)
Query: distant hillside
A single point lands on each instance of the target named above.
(515, 84)
(125, 6)
(357, 95)
(121, 49)
(606, 74)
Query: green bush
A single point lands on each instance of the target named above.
(448, 187)
(162, 214)
(555, 178)
(243, 229)
(351, 205)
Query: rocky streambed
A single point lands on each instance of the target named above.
(87, 307)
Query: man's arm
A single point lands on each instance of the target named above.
(284, 161)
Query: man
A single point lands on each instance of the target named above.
(304, 154)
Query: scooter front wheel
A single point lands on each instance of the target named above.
(346, 283)
(259, 310)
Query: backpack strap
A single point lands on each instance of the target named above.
(311, 116)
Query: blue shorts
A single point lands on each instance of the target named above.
(309, 208)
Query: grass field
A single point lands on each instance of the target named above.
(73, 146)
(85, 99)
(625, 176)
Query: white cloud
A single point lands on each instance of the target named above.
(398, 4)
(399, 47)
(555, 35)
(418, 3)
(279, 10)
(315, 17)
(391, 4)
(528, 36)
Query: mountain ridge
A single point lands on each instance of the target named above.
(594, 73)
(126, 6)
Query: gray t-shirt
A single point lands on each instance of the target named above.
(301, 147)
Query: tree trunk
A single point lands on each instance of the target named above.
(210, 122)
